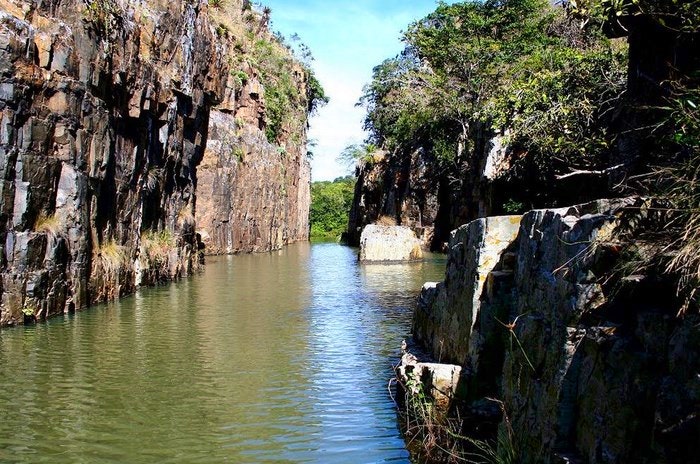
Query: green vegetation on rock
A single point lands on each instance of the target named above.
(291, 89)
(330, 206)
(284, 99)
(517, 68)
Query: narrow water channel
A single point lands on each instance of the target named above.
(280, 357)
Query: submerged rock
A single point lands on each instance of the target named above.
(389, 244)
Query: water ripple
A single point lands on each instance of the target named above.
(282, 357)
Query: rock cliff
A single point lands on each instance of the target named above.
(406, 189)
(253, 193)
(587, 370)
(106, 111)
(416, 192)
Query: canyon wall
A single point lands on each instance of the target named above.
(252, 195)
(106, 111)
(417, 190)
(589, 366)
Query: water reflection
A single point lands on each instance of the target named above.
(281, 357)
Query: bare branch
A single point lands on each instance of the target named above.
(583, 172)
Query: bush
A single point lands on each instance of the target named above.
(47, 224)
(672, 241)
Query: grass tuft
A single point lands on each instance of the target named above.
(47, 224)
(436, 436)
(156, 247)
(111, 257)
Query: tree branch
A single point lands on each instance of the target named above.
(582, 172)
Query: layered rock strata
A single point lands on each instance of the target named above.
(587, 372)
(447, 311)
(105, 116)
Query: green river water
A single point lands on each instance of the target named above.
(280, 357)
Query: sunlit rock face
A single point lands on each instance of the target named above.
(105, 116)
(582, 368)
(252, 196)
(389, 244)
(448, 311)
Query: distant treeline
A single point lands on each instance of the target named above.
(330, 207)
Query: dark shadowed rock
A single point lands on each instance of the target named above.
(586, 372)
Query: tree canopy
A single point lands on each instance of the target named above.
(517, 67)
(330, 207)
(682, 15)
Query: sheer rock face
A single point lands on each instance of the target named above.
(448, 310)
(104, 118)
(405, 189)
(252, 196)
(588, 373)
(433, 201)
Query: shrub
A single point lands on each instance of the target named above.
(672, 241)
(222, 30)
(104, 15)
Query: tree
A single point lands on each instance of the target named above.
(680, 15)
(503, 66)
(330, 207)
(353, 154)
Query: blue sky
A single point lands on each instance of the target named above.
(347, 39)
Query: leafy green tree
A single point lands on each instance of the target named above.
(330, 207)
(508, 66)
(681, 15)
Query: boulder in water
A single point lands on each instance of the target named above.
(389, 244)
